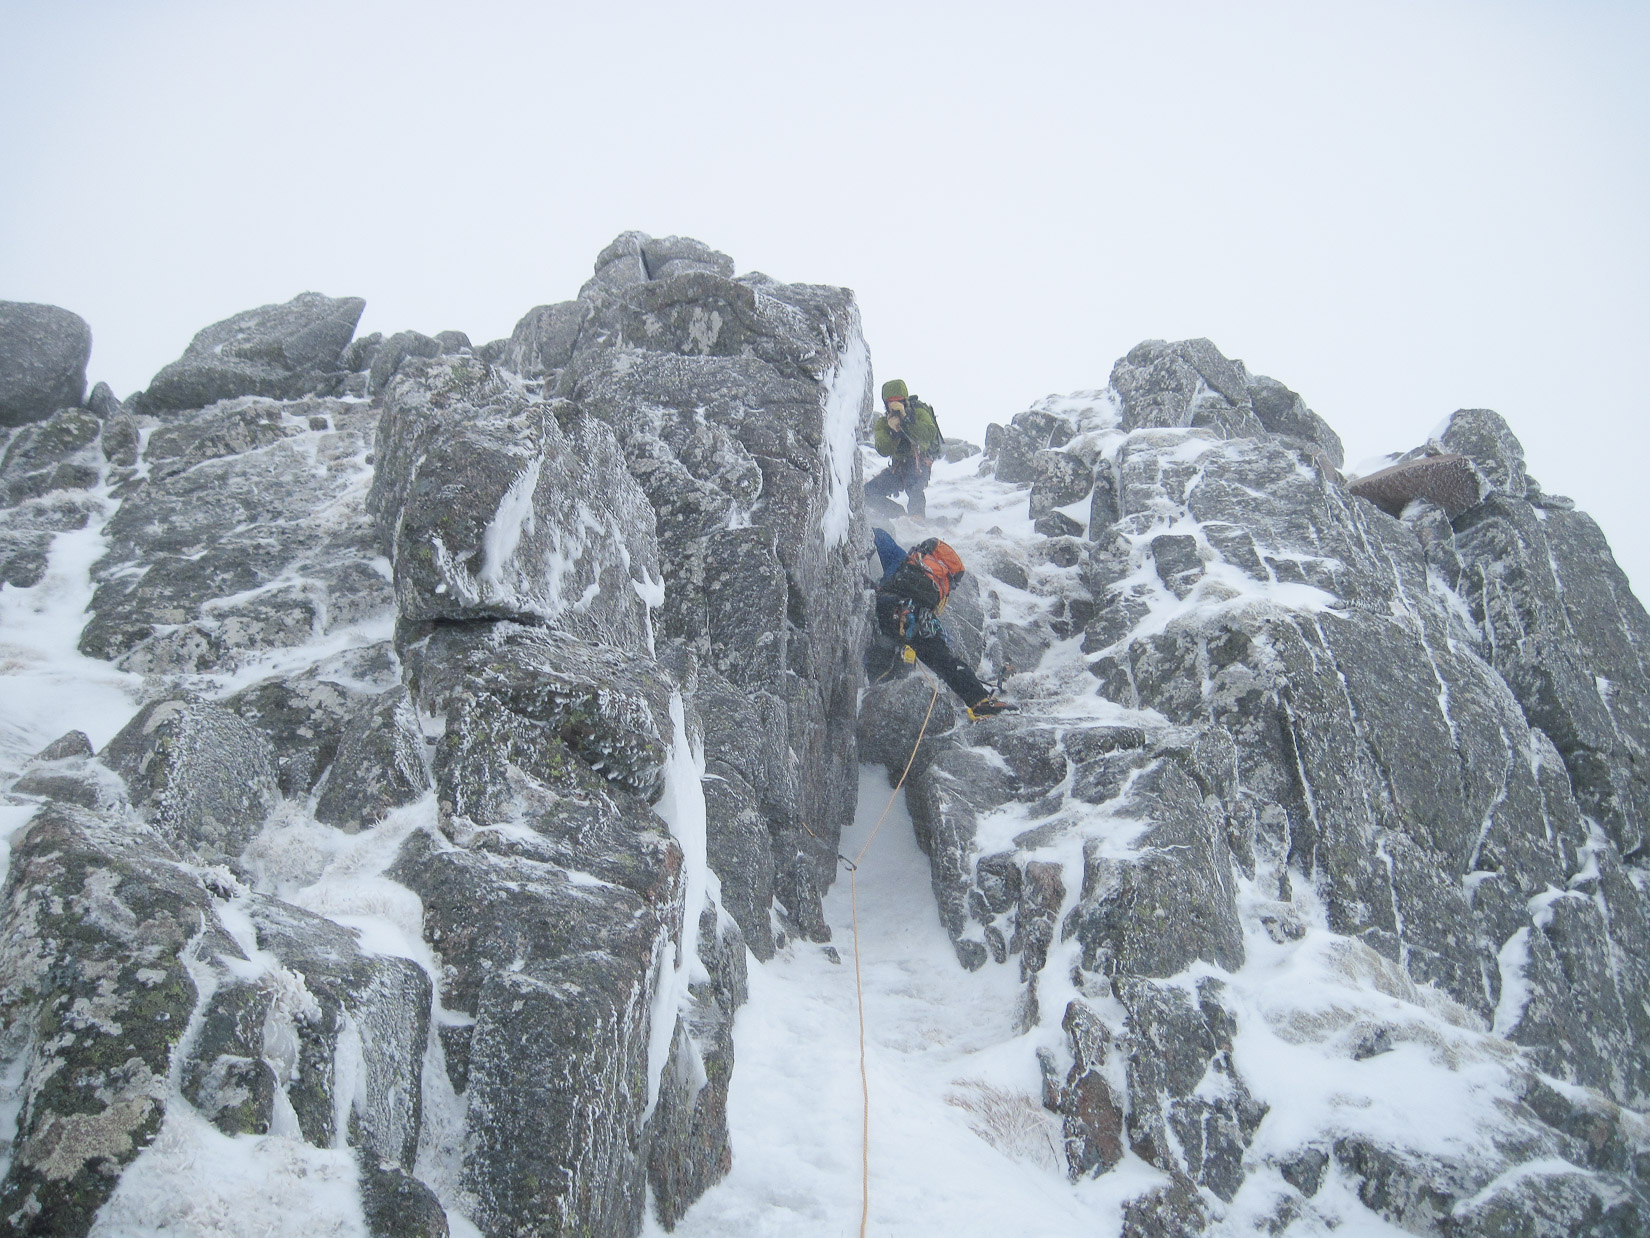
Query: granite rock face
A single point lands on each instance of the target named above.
(43, 355)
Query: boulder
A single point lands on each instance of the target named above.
(277, 351)
(358, 357)
(545, 338)
(526, 706)
(1449, 481)
(1485, 438)
(104, 402)
(303, 718)
(1059, 479)
(398, 1205)
(43, 355)
(388, 356)
(1188, 383)
(1013, 449)
(203, 778)
(1285, 415)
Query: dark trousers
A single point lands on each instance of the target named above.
(937, 656)
(903, 474)
(929, 644)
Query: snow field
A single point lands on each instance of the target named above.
(942, 1059)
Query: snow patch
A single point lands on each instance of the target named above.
(1515, 989)
(845, 392)
(513, 518)
(682, 807)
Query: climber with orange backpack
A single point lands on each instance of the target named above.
(911, 596)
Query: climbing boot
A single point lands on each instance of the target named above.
(990, 707)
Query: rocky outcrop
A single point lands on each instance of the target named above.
(736, 403)
(480, 731)
(43, 355)
(665, 502)
(508, 615)
(1418, 736)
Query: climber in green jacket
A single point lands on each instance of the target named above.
(909, 435)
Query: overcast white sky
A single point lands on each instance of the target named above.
(1398, 209)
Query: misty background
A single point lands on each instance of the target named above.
(1398, 209)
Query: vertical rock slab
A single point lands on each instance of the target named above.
(1565, 631)
(737, 402)
(359, 1049)
(555, 912)
(689, 1145)
(553, 1149)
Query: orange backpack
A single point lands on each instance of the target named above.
(927, 574)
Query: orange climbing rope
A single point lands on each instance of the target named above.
(859, 988)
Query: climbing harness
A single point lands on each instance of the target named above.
(859, 987)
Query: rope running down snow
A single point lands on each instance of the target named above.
(859, 989)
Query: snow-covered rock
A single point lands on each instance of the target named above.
(1410, 743)
(434, 768)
